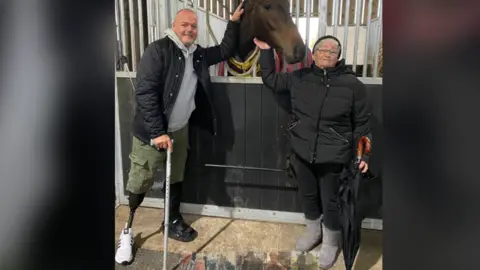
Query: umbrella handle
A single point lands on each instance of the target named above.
(364, 147)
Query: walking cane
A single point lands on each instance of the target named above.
(167, 206)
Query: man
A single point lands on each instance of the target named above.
(172, 78)
(330, 114)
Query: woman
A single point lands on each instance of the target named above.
(330, 114)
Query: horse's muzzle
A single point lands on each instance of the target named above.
(299, 52)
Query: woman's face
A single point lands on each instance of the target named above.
(326, 53)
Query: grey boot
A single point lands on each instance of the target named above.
(312, 235)
(330, 248)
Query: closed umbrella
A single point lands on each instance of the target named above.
(349, 199)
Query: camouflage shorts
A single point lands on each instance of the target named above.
(145, 161)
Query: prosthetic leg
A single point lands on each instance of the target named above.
(134, 201)
(124, 253)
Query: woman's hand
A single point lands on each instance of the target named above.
(261, 44)
(363, 166)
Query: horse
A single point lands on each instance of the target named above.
(270, 21)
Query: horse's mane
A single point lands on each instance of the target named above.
(246, 44)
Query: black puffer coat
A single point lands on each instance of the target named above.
(329, 109)
(159, 77)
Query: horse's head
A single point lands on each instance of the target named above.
(270, 21)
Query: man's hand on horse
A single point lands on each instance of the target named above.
(261, 44)
(237, 14)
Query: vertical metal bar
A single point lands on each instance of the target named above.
(377, 41)
(228, 10)
(297, 22)
(158, 15)
(345, 27)
(168, 13)
(376, 46)
(340, 12)
(131, 13)
(367, 39)
(284, 62)
(358, 10)
(209, 8)
(335, 15)
(152, 21)
(291, 8)
(117, 21)
(162, 20)
(207, 34)
(149, 22)
(223, 7)
(355, 15)
(364, 7)
(117, 24)
(123, 29)
(175, 8)
(195, 5)
(379, 8)
(140, 27)
(308, 7)
(322, 18)
(297, 11)
(332, 18)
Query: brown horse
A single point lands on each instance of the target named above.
(270, 21)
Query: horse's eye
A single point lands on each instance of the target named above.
(267, 6)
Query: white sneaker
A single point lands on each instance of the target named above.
(125, 245)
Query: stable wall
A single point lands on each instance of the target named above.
(252, 133)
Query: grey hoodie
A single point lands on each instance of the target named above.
(185, 102)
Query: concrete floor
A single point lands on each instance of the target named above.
(226, 242)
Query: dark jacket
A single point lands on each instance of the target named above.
(159, 76)
(329, 109)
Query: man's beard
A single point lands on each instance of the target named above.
(189, 42)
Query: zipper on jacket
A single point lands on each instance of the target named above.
(294, 124)
(338, 134)
(325, 81)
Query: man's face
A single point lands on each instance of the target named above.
(326, 53)
(185, 26)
